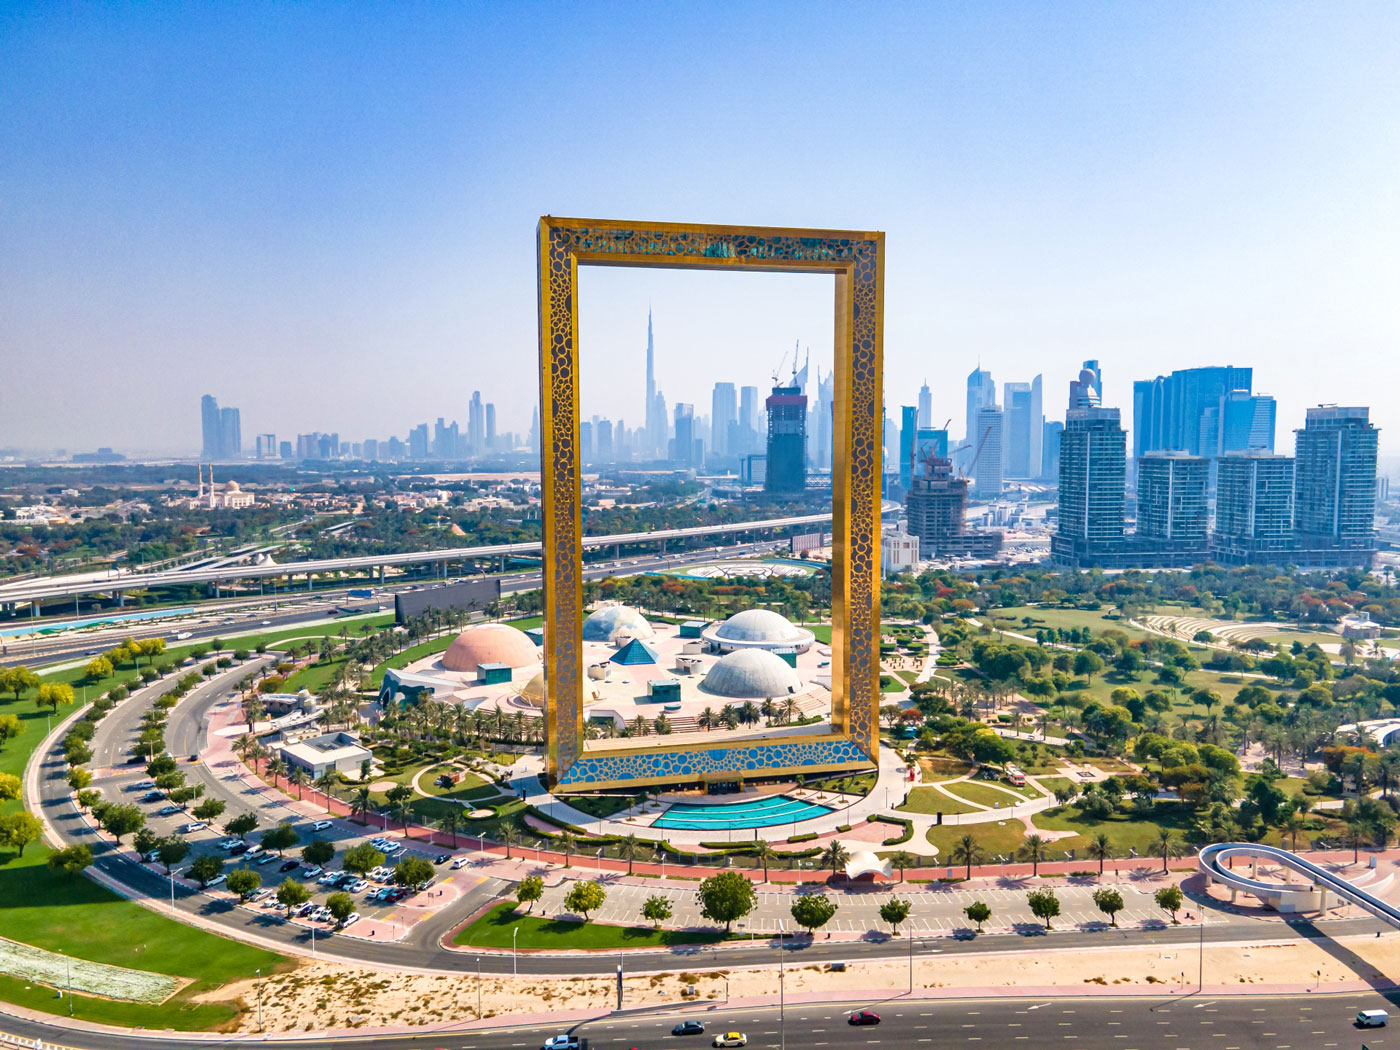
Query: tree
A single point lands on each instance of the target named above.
(70, 860)
(341, 906)
(902, 859)
(171, 850)
(19, 829)
(726, 897)
(52, 694)
(318, 851)
(584, 897)
(244, 882)
(413, 871)
(280, 838)
(531, 889)
(812, 911)
(206, 869)
(325, 784)
(118, 821)
(968, 851)
(629, 849)
(292, 893)
(16, 680)
(978, 912)
(1043, 904)
(765, 854)
(1168, 846)
(1110, 902)
(9, 729)
(1035, 849)
(1100, 848)
(361, 858)
(210, 809)
(656, 909)
(449, 822)
(1170, 899)
(97, 667)
(146, 840)
(79, 778)
(241, 824)
(1088, 664)
(894, 911)
(835, 856)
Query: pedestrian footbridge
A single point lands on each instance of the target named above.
(1317, 890)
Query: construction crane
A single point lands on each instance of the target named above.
(978, 454)
(779, 370)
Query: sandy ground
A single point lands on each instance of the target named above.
(326, 995)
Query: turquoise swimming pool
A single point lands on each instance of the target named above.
(760, 813)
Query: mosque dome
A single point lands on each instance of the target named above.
(751, 674)
(758, 629)
(490, 643)
(604, 623)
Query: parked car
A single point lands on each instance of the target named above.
(229, 843)
(356, 885)
(266, 858)
(329, 878)
(152, 796)
(460, 862)
(351, 919)
(238, 849)
(217, 879)
(192, 827)
(311, 872)
(142, 785)
(442, 858)
(166, 811)
(288, 865)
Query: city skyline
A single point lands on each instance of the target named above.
(1121, 187)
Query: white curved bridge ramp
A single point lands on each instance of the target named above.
(1310, 893)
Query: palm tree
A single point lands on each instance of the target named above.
(449, 823)
(1101, 849)
(1168, 846)
(1035, 849)
(707, 719)
(765, 854)
(403, 812)
(967, 850)
(508, 836)
(276, 768)
(835, 856)
(1356, 831)
(243, 747)
(325, 784)
(1290, 826)
(901, 860)
(297, 776)
(568, 842)
(629, 849)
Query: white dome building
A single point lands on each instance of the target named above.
(602, 624)
(758, 629)
(752, 674)
(490, 643)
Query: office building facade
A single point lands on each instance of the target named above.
(988, 453)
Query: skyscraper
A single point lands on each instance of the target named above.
(1203, 411)
(267, 446)
(1050, 449)
(1173, 505)
(1334, 493)
(936, 509)
(748, 418)
(1087, 390)
(209, 426)
(685, 446)
(476, 424)
(603, 441)
(1246, 422)
(230, 434)
(535, 428)
(925, 406)
(981, 391)
(651, 426)
(1253, 509)
(988, 453)
(490, 445)
(826, 397)
(1025, 420)
(1093, 463)
(908, 437)
(787, 440)
(723, 411)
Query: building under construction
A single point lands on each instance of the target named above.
(936, 509)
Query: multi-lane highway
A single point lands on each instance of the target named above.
(1191, 1022)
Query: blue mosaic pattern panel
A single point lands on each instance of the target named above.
(598, 768)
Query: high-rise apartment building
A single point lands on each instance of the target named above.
(230, 434)
(826, 398)
(936, 510)
(1050, 449)
(418, 442)
(686, 447)
(1025, 420)
(284, 450)
(787, 440)
(724, 411)
(1173, 506)
(1093, 465)
(1203, 411)
(1253, 509)
(490, 445)
(988, 453)
(1087, 390)
(266, 445)
(585, 441)
(476, 424)
(603, 441)
(209, 427)
(1334, 493)
(748, 418)
(908, 435)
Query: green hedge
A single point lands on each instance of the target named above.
(806, 836)
(903, 836)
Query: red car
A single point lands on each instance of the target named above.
(865, 1017)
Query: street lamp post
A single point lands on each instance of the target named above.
(782, 1004)
(911, 962)
(478, 988)
(1201, 959)
(514, 932)
(258, 974)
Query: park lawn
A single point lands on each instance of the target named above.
(496, 929)
(910, 677)
(999, 838)
(943, 767)
(601, 806)
(1010, 619)
(822, 632)
(1126, 830)
(1053, 784)
(314, 677)
(930, 800)
(85, 920)
(470, 788)
(986, 794)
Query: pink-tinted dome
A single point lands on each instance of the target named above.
(490, 643)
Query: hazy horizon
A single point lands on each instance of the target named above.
(325, 216)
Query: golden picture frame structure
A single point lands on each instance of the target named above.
(856, 261)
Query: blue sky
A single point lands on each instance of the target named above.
(324, 213)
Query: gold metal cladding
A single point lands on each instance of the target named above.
(856, 260)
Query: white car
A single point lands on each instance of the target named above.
(321, 825)
(166, 811)
(217, 879)
(193, 826)
(351, 919)
(731, 1039)
(228, 843)
(143, 785)
(460, 862)
(266, 858)
(561, 1042)
(328, 878)
(311, 872)
(356, 886)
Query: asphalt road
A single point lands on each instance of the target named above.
(1177, 1023)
